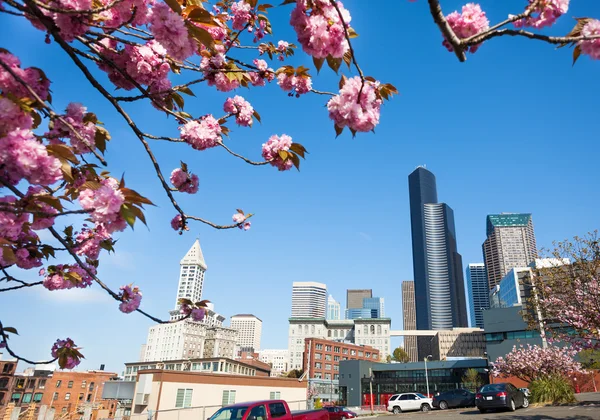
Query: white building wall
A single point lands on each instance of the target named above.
(278, 358)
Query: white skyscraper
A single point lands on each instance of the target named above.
(249, 329)
(309, 300)
(190, 339)
(333, 309)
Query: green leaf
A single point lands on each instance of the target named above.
(201, 35)
(283, 155)
(37, 120)
(139, 214)
(90, 185)
(318, 63)
(132, 196)
(178, 100)
(186, 90)
(50, 200)
(352, 33)
(128, 215)
(69, 231)
(62, 151)
(264, 7)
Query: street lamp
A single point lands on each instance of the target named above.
(487, 367)
(426, 377)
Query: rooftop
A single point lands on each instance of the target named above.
(246, 316)
(194, 256)
(507, 219)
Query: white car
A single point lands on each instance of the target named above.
(409, 401)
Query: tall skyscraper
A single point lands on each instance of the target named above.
(191, 275)
(249, 328)
(354, 297)
(375, 304)
(510, 243)
(439, 285)
(309, 299)
(478, 291)
(409, 317)
(333, 309)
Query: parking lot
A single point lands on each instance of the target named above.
(587, 412)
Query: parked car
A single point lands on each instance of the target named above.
(453, 399)
(409, 401)
(526, 392)
(266, 410)
(495, 396)
(338, 413)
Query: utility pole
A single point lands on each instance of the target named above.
(371, 388)
(426, 377)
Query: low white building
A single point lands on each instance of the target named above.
(374, 332)
(279, 359)
(172, 395)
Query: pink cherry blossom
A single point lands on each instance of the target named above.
(88, 241)
(105, 204)
(23, 156)
(470, 22)
(40, 222)
(271, 149)
(64, 276)
(109, 49)
(591, 47)
(359, 115)
(66, 353)
(242, 110)
(184, 181)
(169, 29)
(544, 14)
(197, 314)
(177, 223)
(8, 84)
(296, 85)
(131, 297)
(211, 66)
(238, 218)
(241, 14)
(74, 116)
(121, 12)
(147, 63)
(12, 117)
(320, 30)
(265, 74)
(11, 224)
(202, 134)
(282, 47)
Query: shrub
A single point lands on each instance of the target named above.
(318, 404)
(554, 389)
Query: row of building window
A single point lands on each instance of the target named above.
(511, 335)
(70, 384)
(183, 398)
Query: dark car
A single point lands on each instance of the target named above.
(505, 396)
(339, 413)
(453, 399)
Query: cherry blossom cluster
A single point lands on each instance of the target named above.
(545, 13)
(12, 116)
(184, 181)
(196, 313)
(137, 12)
(74, 116)
(271, 149)
(348, 110)
(169, 30)
(591, 47)
(67, 353)
(282, 47)
(203, 134)
(239, 218)
(67, 276)
(32, 76)
(70, 25)
(130, 297)
(263, 75)
(241, 14)
(471, 21)
(242, 110)
(296, 85)
(105, 204)
(88, 241)
(320, 30)
(534, 362)
(212, 67)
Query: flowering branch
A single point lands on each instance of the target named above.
(4, 342)
(77, 12)
(438, 17)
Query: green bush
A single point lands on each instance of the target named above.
(318, 404)
(552, 389)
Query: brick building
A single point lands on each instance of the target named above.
(322, 357)
(7, 372)
(72, 393)
(26, 390)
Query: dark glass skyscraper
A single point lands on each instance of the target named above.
(440, 299)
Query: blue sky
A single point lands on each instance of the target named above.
(511, 130)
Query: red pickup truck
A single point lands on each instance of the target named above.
(266, 410)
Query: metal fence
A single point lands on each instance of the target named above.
(191, 413)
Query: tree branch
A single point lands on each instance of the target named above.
(557, 40)
(16, 356)
(77, 12)
(439, 19)
(251, 162)
(37, 283)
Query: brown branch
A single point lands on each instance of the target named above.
(321, 92)
(175, 89)
(171, 139)
(438, 17)
(559, 40)
(237, 35)
(50, 111)
(14, 210)
(37, 283)
(16, 356)
(209, 223)
(100, 36)
(251, 162)
(76, 12)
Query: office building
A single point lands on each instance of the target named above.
(372, 307)
(309, 299)
(333, 309)
(191, 275)
(354, 297)
(439, 285)
(478, 292)
(510, 243)
(409, 318)
(279, 359)
(249, 328)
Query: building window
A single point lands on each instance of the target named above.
(30, 383)
(329, 333)
(328, 357)
(373, 329)
(70, 384)
(327, 348)
(345, 351)
(20, 383)
(91, 386)
(55, 396)
(336, 349)
(7, 368)
(318, 356)
(89, 398)
(184, 398)
(38, 397)
(58, 383)
(26, 398)
(84, 383)
(336, 358)
(15, 397)
(228, 397)
(317, 365)
(80, 396)
(64, 410)
(319, 346)
(42, 384)
(274, 395)
(67, 396)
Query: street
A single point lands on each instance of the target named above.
(588, 412)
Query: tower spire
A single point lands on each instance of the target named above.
(194, 256)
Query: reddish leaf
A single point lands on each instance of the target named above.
(318, 63)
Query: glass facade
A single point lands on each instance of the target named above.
(478, 293)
